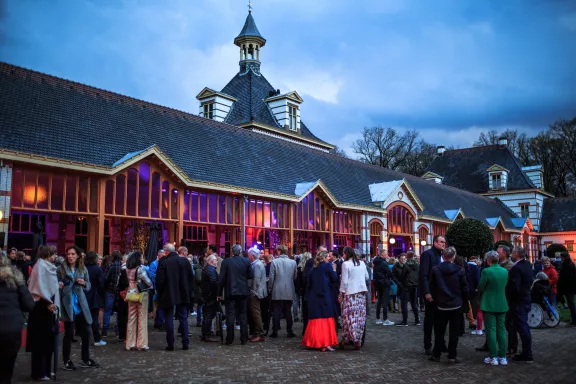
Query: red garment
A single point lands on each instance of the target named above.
(320, 333)
(550, 271)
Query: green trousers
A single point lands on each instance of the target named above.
(496, 333)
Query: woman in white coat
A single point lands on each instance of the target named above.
(352, 298)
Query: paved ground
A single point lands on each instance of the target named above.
(390, 355)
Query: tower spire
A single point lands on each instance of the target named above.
(250, 41)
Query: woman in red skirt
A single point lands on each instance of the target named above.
(321, 329)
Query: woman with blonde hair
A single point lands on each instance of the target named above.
(14, 299)
(321, 329)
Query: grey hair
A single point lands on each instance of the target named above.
(169, 247)
(210, 258)
(254, 252)
(236, 249)
(449, 253)
(357, 252)
(520, 251)
(543, 259)
(491, 256)
(305, 257)
(160, 252)
(505, 249)
(541, 276)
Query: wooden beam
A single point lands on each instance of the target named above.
(291, 213)
(331, 228)
(180, 216)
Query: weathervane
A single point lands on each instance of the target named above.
(250, 6)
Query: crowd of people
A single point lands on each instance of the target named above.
(250, 290)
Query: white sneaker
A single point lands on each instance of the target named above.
(379, 322)
(224, 326)
(479, 332)
(101, 343)
(193, 313)
(237, 327)
(491, 361)
(474, 332)
(388, 322)
(502, 361)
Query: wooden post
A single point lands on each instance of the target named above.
(243, 221)
(99, 233)
(331, 229)
(291, 213)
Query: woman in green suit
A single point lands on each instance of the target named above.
(492, 290)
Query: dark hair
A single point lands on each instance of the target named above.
(564, 255)
(91, 258)
(213, 248)
(245, 254)
(435, 239)
(46, 251)
(336, 253)
(79, 260)
(351, 255)
(134, 260)
(13, 249)
(116, 255)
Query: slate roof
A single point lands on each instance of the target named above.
(467, 168)
(250, 29)
(558, 214)
(250, 90)
(48, 116)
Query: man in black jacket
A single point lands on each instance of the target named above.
(405, 274)
(173, 280)
(235, 272)
(209, 296)
(428, 260)
(449, 291)
(567, 284)
(519, 300)
(382, 277)
(111, 288)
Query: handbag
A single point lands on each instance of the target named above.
(134, 297)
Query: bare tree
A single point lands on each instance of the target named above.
(565, 132)
(546, 150)
(418, 161)
(339, 152)
(517, 142)
(385, 147)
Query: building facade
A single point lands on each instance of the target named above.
(86, 166)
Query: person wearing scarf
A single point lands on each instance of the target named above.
(43, 325)
(73, 280)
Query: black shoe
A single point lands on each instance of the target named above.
(198, 325)
(523, 359)
(428, 352)
(69, 366)
(483, 348)
(169, 348)
(89, 364)
(291, 334)
(296, 320)
(228, 343)
(184, 347)
(444, 349)
(121, 340)
(434, 358)
(76, 340)
(417, 323)
(401, 325)
(274, 335)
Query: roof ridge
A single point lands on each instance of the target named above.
(470, 149)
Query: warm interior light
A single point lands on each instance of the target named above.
(423, 243)
(30, 194)
(392, 240)
(1, 215)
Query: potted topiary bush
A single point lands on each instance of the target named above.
(470, 237)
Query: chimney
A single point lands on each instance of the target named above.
(440, 150)
(503, 141)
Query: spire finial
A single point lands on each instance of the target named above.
(250, 6)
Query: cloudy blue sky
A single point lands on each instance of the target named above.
(448, 68)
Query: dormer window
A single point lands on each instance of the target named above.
(209, 110)
(497, 181)
(525, 210)
(497, 178)
(293, 117)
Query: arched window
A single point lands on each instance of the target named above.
(400, 220)
(144, 190)
(120, 194)
(131, 201)
(155, 198)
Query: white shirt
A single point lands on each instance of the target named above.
(353, 278)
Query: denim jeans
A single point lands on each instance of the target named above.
(199, 308)
(181, 312)
(108, 308)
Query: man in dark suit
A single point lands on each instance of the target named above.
(233, 281)
(518, 295)
(174, 291)
(428, 260)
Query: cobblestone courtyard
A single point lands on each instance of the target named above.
(390, 355)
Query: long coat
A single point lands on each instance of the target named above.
(70, 286)
(234, 275)
(283, 272)
(321, 304)
(174, 281)
(96, 293)
(492, 289)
